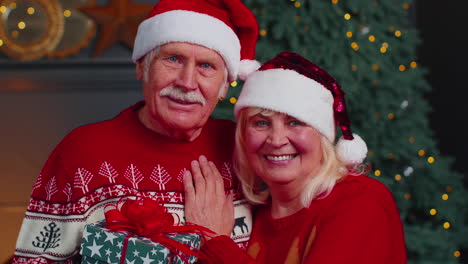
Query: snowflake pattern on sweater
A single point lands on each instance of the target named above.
(97, 164)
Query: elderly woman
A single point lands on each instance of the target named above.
(313, 204)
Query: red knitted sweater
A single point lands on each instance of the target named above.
(96, 164)
(357, 223)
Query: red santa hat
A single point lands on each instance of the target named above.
(292, 85)
(226, 26)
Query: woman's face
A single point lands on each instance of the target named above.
(281, 149)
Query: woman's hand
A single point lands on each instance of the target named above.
(206, 202)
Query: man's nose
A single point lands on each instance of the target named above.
(187, 77)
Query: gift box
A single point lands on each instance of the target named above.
(101, 245)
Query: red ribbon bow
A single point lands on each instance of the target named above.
(148, 218)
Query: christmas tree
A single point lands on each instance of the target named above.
(370, 47)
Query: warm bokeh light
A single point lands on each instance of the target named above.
(377, 173)
(234, 84)
(263, 32)
(391, 116)
(430, 160)
(67, 13)
(21, 25)
(232, 100)
(421, 152)
(433, 211)
(349, 34)
(411, 139)
(402, 67)
(398, 177)
(371, 38)
(446, 225)
(355, 46)
(445, 197)
(347, 16)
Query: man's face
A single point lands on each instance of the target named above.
(182, 87)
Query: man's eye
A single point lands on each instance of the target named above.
(206, 65)
(173, 58)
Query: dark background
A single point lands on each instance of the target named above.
(444, 53)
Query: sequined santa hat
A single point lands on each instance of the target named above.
(226, 26)
(292, 85)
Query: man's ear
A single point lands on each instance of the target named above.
(139, 70)
(223, 91)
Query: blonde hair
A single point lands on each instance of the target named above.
(257, 192)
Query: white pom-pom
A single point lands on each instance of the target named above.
(351, 152)
(246, 67)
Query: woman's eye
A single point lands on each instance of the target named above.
(295, 123)
(261, 123)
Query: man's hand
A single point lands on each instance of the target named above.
(206, 202)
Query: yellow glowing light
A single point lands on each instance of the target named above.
(411, 139)
(21, 25)
(349, 34)
(407, 196)
(446, 225)
(375, 67)
(405, 6)
(334, 2)
(398, 33)
(433, 211)
(421, 152)
(355, 46)
(457, 254)
(430, 159)
(413, 64)
(391, 116)
(371, 38)
(377, 173)
(347, 16)
(390, 155)
(385, 45)
(297, 4)
(31, 10)
(448, 188)
(383, 49)
(234, 84)
(263, 32)
(3, 9)
(398, 177)
(232, 100)
(1, 42)
(402, 67)
(445, 197)
(354, 67)
(67, 13)
(13, 5)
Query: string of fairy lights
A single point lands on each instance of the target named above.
(383, 47)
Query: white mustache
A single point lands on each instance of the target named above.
(179, 94)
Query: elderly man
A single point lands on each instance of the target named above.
(186, 53)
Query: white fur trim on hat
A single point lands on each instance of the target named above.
(190, 27)
(289, 92)
(351, 151)
(247, 67)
